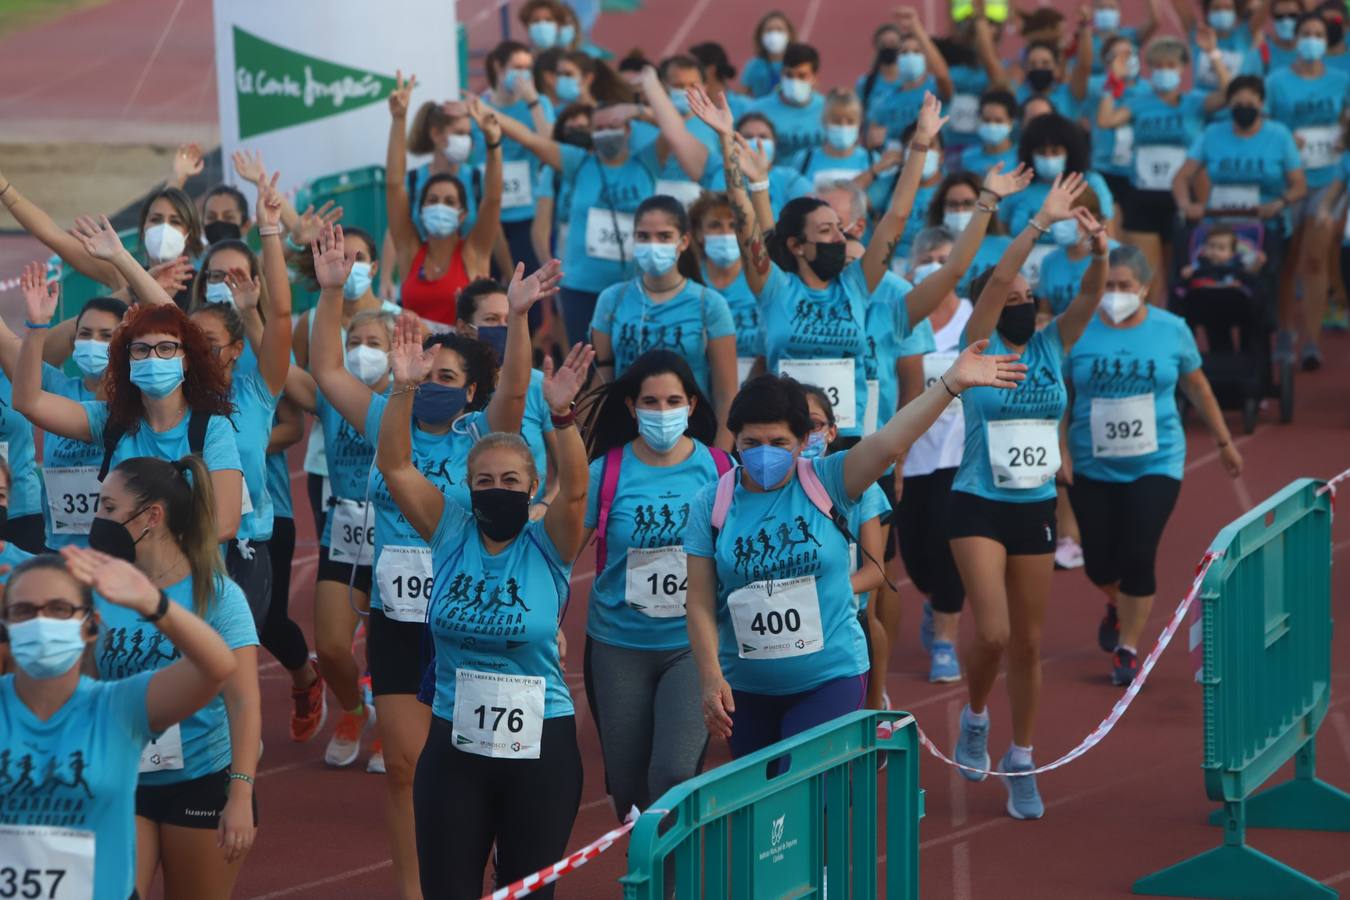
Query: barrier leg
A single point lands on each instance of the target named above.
(1305, 802)
(1233, 872)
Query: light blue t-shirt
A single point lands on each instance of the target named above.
(672, 171)
(820, 170)
(1061, 277)
(1261, 161)
(968, 84)
(779, 536)
(801, 323)
(650, 509)
(63, 452)
(873, 505)
(16, 442)
(798, 127)
(902, 106)
(685, 323)
(744, 309)
(83, 760)
(760, 76)
(882, 89)
(535, 422)
(1104, 157)
(1120, 363)
(520, 167)
(979, 159)
(1060, 96)
(279, 486)
(1253, 63)
(11, 555)
(1040, 397)
(255, 408)
(1157, 123)
(1310, 103)
(550, 184)
(785, 183)
(1018, 209)
(887, 326)
(128, 645)
(601, 194)
(350, 455)
(219, 450)
(497, 614)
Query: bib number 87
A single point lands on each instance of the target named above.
(1132, 428)
(28, 883)
(774, 622)
(1027, 456)
(669, 585)
(515, 718)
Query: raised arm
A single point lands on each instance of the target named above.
(507, 407)
(1185, 10)
(479, 244)
(249, 166)
(420, 501)
(755, 168)
(1208, 42)
(349, 396)
(690, 152)
(50, 412)
(565, 515)
(40, 225)
(274, 354)
(398, 206)
(1109, 114)
(99, 240)
(547, 149)
(910, 23)
(1074, 320)
(987, 53)
(1150, 26)
(1082, 67)
(876, 259)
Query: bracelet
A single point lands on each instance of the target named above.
(412, 388)
(160, 611)
(988, 209)
(1037, 225)
(985, 190)
(918, 145)
(28, 324)
(269, 230)
(758, 187)
(5, 190)
(240, 776)
(496, 145)
(943, 378)
(561, 422)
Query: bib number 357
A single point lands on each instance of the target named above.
(38, 861)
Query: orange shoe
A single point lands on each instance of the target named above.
(345, 744)
(309, 708)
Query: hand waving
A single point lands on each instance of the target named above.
(117, 580)
(98, 237)
(1089, 225)
(309, 222)
(331, 265)
(486, 120)
(248, 165)
(411, 364)
(560, 387)
(523, 293)
(269, 200)
(401, 95)
(188, 161)
(244, 287)
(716, 115)
(1005, 184)
(930, 120)
(174, 275)
(754, 162)
(975, 369)
(1059, 202)
(40, 296)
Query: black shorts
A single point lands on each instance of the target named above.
(340, 572)
(1151, 212)
(921, 529)
(887, 484)
(1024, 529)
(1121, 190)
(397, 654)
(1121, 524)
(189, 804)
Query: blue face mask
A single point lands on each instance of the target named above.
(358, 281)
(662, 428)
(1048, 167)
(679, 98)
(912, 67)
(495, 337)
(219, 292)
(655, 259)
(1106, 19)
(440, 220)
(1286, 27)
(566, 35)
(795, 90)
(722, 249)
(567, 87)
(1311, 49)
(515, 79)
(47, 648)
(993, 133)
(1222, 19)
(815, 445)
(767, 465)
(841, 137)
(157, 377)
(436, 404)
(91, 357)
(1132, 66)
(1065, 232)
(1166, 80)
(543, 34)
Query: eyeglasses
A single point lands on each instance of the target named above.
(164, 349)
(959, 205)
(52, 609)
(216, 276)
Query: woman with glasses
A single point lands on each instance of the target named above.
(48, 707)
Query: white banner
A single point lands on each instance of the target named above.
(306, 82)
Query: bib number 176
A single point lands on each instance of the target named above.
(515, 718)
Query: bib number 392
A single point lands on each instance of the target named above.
(353, 536)
(1023, 453)
(41, 861)
(498, 715)
(1124, 426)
(777, 619)
(657, 581)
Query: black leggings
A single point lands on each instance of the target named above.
(1121, 524)
(463, 802)
(280, 635)
(921, 531)
(314, 488)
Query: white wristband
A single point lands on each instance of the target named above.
(756, 187)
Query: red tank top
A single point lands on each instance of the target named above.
(435, 300)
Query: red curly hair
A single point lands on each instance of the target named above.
(204, 384)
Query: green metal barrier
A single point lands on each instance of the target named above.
(740, 832)
(1266, 620)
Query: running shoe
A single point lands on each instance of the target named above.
(345, 745)
(1024, 801)
(1068, 555)
(1108, 631)
(926, 628)
(972, 746)
(375, 765)
(309, 708)
(1310, 358)
(943, 666)
(1124, 668)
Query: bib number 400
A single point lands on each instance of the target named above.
(30, 883)
(515, 718)
(775, 622)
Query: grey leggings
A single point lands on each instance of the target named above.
(648, 710)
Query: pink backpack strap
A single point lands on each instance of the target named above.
(726, 486)
(815, 490)
(609, 487)
(721, 461)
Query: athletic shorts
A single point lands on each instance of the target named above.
(1121, 524)
(189, 804)
(329, 570)
(1120, 188)
(921, 531)
(398, 654)
(1024, 529)
(1307, 207)
(1151, 212)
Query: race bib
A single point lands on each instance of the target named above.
(42, 861)
(657, 580)
(1123, 150)
(1031, 269)
(1204, 69)
(245, 498)
(609, 235)
(935, 365)
(684, 191)
(326, 494)
(498, 715)
(352, 539)
(162, 754)
(516, 188)
(777, 619)
(823, 179)
(964, 113)
(1155, 165)
(1234, 196)
(743, 366)
(1124, 426)
(872, 407)
(404, 576)
(834, 377)
(1318, 148)
(72, 498)
(4, 451)
(1024, 453)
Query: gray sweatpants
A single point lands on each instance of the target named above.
(649, 711)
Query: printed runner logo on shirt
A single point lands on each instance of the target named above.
(482, 607)
(44, 789)
(657, 526)
(127, 651)
(777, 551)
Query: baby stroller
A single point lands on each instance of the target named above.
(1236, 315)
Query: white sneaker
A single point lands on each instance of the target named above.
(375, 765)
(1068, 555)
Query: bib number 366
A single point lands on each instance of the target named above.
(38, 861)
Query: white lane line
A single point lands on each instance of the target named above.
(809, 22)
(322, 882)
(961, 872)
(956, 781)
(676, 42)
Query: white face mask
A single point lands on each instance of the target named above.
(1120, 305)
(163, 242)
(957, 221)
(458, 148)
(921, 272)
(774, 42)
(369, 364)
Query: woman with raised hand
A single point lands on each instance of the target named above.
(1002, 516)
(500, 763)
(435, 268)
(48, 705)
(712, 231)
(195, 811)
(772, 619)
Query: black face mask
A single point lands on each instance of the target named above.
(222, 231)
(577, 137)
(111, 537)
(1016, 324)
(1040, 80)
(830, 260)
(888, 55)
(501, 513)
(1245, 116)
(1335, 32)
